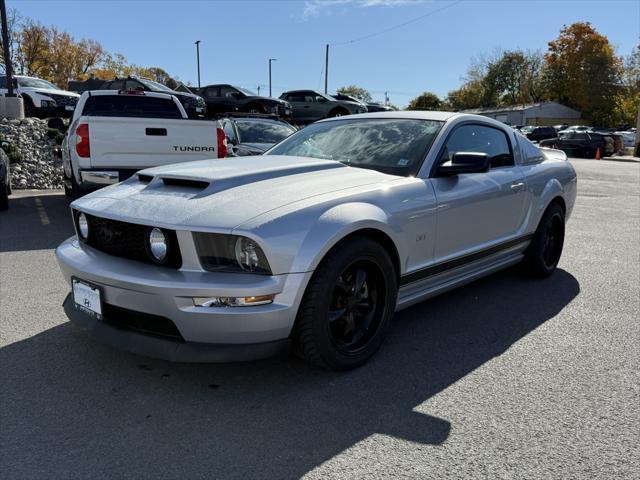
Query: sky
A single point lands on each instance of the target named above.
(403, 47)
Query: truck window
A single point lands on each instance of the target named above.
(130, 106)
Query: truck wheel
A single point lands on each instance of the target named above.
(543, 253)
(4, 195)
(347, 307)
(72, 192)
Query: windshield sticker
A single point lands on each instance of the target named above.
(403, 162)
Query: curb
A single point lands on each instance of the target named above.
(622, 159)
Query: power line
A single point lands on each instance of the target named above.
(395, 27)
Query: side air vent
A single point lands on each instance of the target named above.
(185, 182)
(145, 178)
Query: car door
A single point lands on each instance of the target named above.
(477, 210)
(212, 98)
(303, 104)
(230, 98)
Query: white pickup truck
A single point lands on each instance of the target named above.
(113, 134)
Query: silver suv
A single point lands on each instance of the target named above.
(309, 106)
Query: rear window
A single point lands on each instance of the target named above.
(130, 106)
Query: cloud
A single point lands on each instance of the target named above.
(314, 8)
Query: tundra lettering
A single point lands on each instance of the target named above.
(186, 148)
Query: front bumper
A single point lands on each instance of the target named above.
(208, 333)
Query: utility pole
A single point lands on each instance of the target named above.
(271, 60)
(198, 58)
(259, 90)
(5, 49)
(326, 70)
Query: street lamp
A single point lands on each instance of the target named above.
(271, 60)
(198, 57)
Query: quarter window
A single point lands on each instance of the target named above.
(479, 139)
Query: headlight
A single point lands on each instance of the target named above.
(230, 253)
(158, 245)
(47, 104)
(83, 226)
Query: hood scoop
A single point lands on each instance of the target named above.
(185, 182)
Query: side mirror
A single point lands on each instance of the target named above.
(320, 99)
(465, 162)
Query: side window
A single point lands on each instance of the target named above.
(295, 97)
(213, 92)
(228, 92)
(115, 85)
(134, 85)
(479, 139)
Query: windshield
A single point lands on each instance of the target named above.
(246, 92)
(154, 85)
(36, 83)
(262, 132)
(395, 146)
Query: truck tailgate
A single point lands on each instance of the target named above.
(136, 143)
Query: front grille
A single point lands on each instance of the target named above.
(140, 322)
(128, 240)
(64, 100)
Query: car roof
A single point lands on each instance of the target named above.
(403, 114)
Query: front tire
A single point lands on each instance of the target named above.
(543, 253)
(347, 307)
(73, 192)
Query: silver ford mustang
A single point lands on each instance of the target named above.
(316, 243)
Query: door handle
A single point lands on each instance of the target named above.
(160, 132)
(517, 186)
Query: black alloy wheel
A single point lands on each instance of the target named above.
(355, 309)
(347, 307)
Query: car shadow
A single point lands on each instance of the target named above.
(74, 409)
(35, 222)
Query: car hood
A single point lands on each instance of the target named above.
(218, 195)
(51, 91)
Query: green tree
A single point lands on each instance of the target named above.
(583, 72)
(425, 101)
(357, 92)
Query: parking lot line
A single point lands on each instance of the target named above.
(44, 218)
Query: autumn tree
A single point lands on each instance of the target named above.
(360, 93)
(425, 101)
(583, 72)
(33, 48)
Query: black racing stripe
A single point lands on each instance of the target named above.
(458, 262)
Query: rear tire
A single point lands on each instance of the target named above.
(347, 307)
(4, 195)
(543, 253)
(72, 192)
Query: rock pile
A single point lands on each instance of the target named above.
(39, 167)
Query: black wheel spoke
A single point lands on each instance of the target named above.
(336, 314)
(361, 277)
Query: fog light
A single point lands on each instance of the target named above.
(233, 301)
(158, 245)
(83, 226)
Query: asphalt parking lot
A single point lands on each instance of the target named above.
(504, 378)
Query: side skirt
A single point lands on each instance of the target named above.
(418, 286)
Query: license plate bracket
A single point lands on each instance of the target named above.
(87, 297)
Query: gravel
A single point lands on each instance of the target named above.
(39, 168)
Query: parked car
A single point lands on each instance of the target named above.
(41, 98)
(370, 106)
(194, 105)
(309, 106)
(628, 138)
(535, 133)
(5, 180)
(113, 134)
(561, 127)
(254, 134)
(580, 144)
(316, 243)
(576, 128)
(224, 98)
